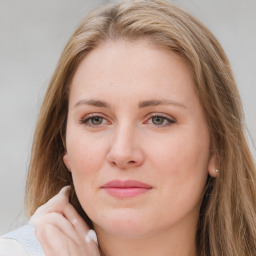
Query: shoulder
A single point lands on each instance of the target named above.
(11, 247)
(22, 242)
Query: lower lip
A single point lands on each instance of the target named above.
(126, 192)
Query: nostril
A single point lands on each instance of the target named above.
(113, 163)
(131, 162)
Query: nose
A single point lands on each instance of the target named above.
(125, 150)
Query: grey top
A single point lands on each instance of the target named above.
(26, 238)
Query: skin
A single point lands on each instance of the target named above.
(60, 229)
(112, 133)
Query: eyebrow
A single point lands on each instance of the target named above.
(150, 103)
(93, 102)
(142, 104)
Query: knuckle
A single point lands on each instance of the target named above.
(61, 198)
(40, 232)
(35, 221)
(45, 231)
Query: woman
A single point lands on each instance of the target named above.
(142, 125)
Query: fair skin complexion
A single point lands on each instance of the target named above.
(134, 115)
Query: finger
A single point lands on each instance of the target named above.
(55, 243)
(60, 222)
(78, 222)
(86, 235)
(55, 204)
(92, 243)
(56, 221)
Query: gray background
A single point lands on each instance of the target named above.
(32, 36)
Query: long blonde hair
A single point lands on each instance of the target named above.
(228, 213)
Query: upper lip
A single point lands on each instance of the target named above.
(126, 184)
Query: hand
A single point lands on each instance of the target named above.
(61, 230)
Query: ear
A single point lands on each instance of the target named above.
(66, 161)
(212, 166)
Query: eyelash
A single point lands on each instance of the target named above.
(167, 119)
(88, 119)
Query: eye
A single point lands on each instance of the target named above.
(160, 120)
(93, 120)
(97, 120)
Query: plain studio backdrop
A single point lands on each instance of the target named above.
(32, 37)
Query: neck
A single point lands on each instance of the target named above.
(164, 243)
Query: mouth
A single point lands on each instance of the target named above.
(126, 188)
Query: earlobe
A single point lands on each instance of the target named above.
(212, 167)
(66, 161)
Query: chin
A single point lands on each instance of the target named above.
(124, 223)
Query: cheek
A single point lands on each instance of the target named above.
(85, 154)
(182, 163)
(86, 160)
(180, 157)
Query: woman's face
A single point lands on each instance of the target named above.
(137, 140)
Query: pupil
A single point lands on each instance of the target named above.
(97, 120)
(158, 120)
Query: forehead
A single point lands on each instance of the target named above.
(132, 68)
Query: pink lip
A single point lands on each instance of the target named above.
(126, 188)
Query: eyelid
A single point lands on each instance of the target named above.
(84, 119)
(152, 114)
(169, 118)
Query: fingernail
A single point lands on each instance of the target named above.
(74, 221)
(91, 235)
